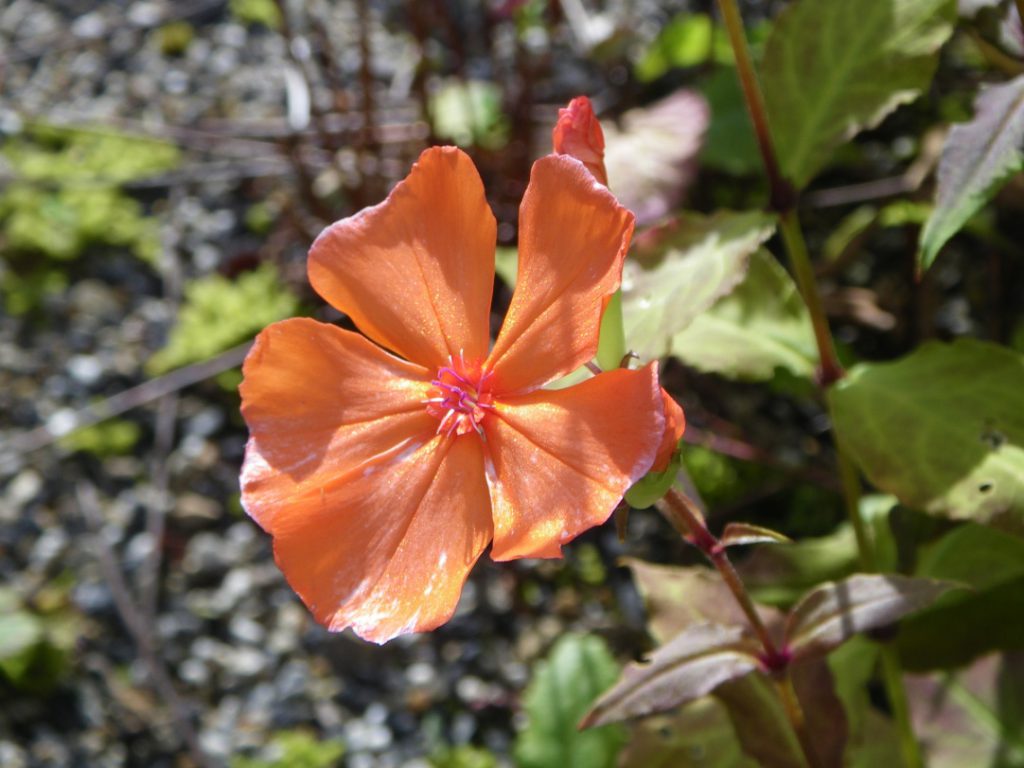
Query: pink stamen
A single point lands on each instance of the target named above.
(461, 397)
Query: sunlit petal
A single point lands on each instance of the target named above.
(416, 272)
(573, 236)
(319, 402)
(561, 460)
(387, 552)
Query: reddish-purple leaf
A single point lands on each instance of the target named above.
(978, 156)
(760, 722)
(691, 665)
(696, 735)
(651, 153)
(678, 597)
(736, 534)
(826, 718)
(836, 611)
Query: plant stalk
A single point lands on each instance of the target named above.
(687, 519)
(783, 200)
(692, 526)
(795, 713)
(830, 370)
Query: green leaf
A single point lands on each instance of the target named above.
(218, 313)
(652, 486)
(704, 258)
(832, 68)
(763, 728)
(688, 40)
(941, 429)
(974, 555)
(977, 158)
(762, 325)
(833, 613)
(265, 12)
(730, 145)
(20, 634)
(576, 671)
(967, 624)
(973, 718)
(295, 749)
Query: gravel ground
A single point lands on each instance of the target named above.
(216, 643)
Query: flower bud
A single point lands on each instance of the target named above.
(578, 134)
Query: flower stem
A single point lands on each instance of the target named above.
(795, 713)
(830, 370)
(687, 519)
(783, 200)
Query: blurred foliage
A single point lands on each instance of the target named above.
(296, 749)
(469, 113)
(116, 437)
(688, 40)
(66, 198)
(719, 479)
(59, 155)
(36, 642)
(263, 12)
(218, 313)
(562, 689)
(462, 756)
(175, 37)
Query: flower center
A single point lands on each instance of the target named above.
(460, 397)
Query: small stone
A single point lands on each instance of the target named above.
(85, 369)
(48, 547)
(193, 508)
(204, 555)
(245, 630)
(23, 488)
(247, 662)
(89, 26)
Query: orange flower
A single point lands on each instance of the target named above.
(578, 134)
(382, 477)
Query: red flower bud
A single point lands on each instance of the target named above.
(578, 134)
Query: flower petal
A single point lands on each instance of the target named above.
(573, 236)
(321, 401)
(387, 553)
(675, 425)
(561, 460)
(416, 272)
